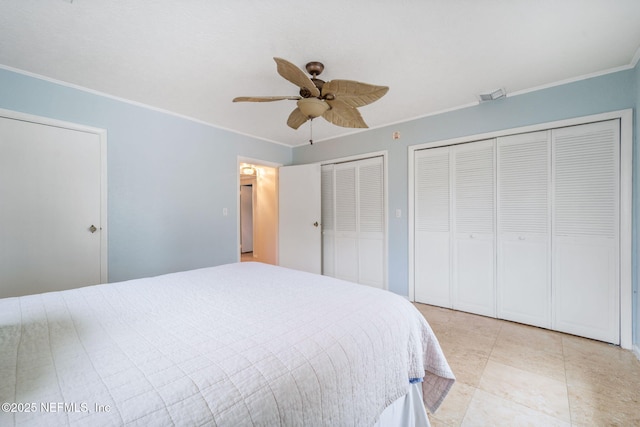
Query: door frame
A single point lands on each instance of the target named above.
(385, 166)
(257, 162)
(102, 136)
(626, 201)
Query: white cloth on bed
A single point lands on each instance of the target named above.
(239, 344)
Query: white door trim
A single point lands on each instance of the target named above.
(102, 135)
(252, 161)
(626, 200)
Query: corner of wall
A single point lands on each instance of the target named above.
(636, 207)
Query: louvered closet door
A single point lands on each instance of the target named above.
(432, 247)
(585, 230)
(371, 222)
(355, 240)
(346, 234)
(474, 235)
(328, 220)
(524, 228)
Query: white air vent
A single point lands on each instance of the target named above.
(497, 94)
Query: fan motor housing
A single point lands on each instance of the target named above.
(315, 68)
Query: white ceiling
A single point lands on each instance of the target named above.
(193, 57)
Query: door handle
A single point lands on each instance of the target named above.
(93, 229)
(315, 224)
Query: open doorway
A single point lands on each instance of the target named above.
(258, 212)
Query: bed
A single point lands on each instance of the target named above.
(233, 345)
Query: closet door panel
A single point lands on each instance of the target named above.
(586, 303)
(585, 231)
(523, 218)
(346, 225)
(474, 236)
(432, 268)
(371, 223)
(371, 262)
(353, 221)
(328, 220)
(432, 246)
(524, 292)
(347, 258)
(474, 275)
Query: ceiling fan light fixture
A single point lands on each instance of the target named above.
(312, 107)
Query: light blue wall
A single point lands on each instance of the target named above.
(168, 177)
(610, 92)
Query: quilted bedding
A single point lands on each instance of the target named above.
(238, 344)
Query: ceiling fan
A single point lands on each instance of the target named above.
(337, 100)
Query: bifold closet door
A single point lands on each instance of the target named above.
(353, 221)
(432, 242)
(586, 230)
(473, 182)
(524, 229)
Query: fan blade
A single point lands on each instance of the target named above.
(343, 114)
(296, 76)
(263, 98)
(296, 119)
(355, 94)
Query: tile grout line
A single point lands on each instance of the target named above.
(566, 380)
(484, 368)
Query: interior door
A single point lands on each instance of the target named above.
(300, 239)
(50, 211)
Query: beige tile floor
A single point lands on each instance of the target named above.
(510, 374)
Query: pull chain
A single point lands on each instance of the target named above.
(311, 131)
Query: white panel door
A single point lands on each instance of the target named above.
(50, 197)
(474, 236)
(299, 237)
(524, 229)
(586, 230)
(432, 247)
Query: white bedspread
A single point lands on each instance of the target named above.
(234, 345)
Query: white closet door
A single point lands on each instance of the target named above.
(346, 235)
(586, 229)
(50, 197)
(353, 220)
(524, 273)
(432, 229)
(474, 235)
(328, 221)
(371, 222)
